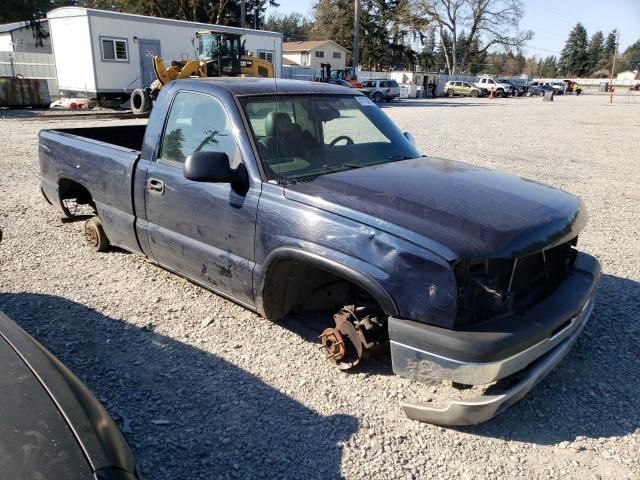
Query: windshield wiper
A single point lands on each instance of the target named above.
(348, 166)
(400, 157)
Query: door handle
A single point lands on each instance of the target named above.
(155, 186)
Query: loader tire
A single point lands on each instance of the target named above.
(140, 101)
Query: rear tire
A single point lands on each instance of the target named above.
(94, 233)
(140, 101)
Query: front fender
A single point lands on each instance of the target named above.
(333, 262)
(403, 276)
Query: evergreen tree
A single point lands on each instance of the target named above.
(594, 51)
(294, 27)
(333, 19)
(549, 67)
(574, 60)
(606, 59)
(630, 59)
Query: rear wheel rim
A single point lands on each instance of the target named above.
(92, 236)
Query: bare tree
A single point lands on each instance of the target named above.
(490, 23)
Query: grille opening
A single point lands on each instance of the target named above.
(488, 288)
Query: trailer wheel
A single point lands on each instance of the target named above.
(140, 101)
(96, 238)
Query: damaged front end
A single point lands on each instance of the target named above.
(516, 319)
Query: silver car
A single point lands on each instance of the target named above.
(379, 90)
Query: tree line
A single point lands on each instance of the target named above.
(447, 36)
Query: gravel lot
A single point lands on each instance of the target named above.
(205, 389)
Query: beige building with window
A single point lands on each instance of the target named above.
(313, 53)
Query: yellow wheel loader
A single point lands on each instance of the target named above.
(220, 54)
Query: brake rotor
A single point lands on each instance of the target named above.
(333, 345)
(353, 344)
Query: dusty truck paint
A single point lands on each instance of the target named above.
(464, 271)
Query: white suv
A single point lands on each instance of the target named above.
(499, 89)
(379, 90)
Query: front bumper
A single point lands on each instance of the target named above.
(528, 345)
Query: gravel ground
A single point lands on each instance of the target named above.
(205, 389)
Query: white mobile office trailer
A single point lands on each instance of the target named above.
(106, 55)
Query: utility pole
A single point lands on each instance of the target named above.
(256, 14)
(356, 38)
(615, 54)
(242, 12)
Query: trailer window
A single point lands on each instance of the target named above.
(115, 50)
(266, 55)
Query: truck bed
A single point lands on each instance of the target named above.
(84, 158)
(128, 136)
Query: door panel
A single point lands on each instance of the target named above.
(147, 49)
(202, 230)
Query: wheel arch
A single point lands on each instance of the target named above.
(273, 291)
(68, 189)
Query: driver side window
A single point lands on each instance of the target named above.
(197, 123)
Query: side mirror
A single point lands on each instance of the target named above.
(212, 167)
(410, 138)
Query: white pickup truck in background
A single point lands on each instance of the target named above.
(498, 88)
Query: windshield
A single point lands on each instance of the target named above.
(210, 45)
(304, 136)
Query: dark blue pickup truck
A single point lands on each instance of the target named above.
(285, 196)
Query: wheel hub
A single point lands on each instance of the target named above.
(92, 236)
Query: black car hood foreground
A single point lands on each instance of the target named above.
(456, 210)
(51, 426)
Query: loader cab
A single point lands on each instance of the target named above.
(221, 52)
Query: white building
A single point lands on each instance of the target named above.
(19, 37)
(313, 53)
(106, 55)
(628, 76)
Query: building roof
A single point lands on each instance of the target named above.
(291, 63)
(307, 46)
(10, 27)
(65, 12)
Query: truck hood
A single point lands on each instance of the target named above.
(456, 210)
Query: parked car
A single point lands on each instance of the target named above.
(556, 86)
(538, 90)
(379, 90)
(294, 195)
(517, 89)
(466, 89)
(51, 426)
(499, 88)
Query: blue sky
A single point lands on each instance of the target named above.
(551, 20)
